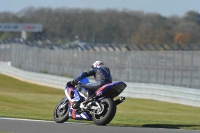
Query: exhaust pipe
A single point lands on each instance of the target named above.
(119, 100)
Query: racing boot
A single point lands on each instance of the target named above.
(76, 105)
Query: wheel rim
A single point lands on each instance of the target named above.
(61, 110)
(100, 114)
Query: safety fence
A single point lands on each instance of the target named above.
(176, 68)
(180, 95)
(106, 47)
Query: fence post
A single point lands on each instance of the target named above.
(173, 67)
(191, 67)
(4, 51)
(13, 54)
(141, 65)
(149, 66)
(113, 65)
(121, 65)
(134, 67)
(165, 67)
(128, 68)
(24, 56)
(157, 66)
(181, 67)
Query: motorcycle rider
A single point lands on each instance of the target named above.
(101, 75)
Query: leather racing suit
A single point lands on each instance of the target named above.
(101, 75)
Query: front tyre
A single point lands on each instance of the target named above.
(61, 111)
(106, 114)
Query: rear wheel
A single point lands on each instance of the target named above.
(106, 114)
(61, 111)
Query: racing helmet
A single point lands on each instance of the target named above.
(98, 64)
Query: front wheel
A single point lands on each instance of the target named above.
(106, 114)
(61, 111)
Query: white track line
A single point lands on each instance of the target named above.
(19, 119)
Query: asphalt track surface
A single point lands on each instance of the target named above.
(11, 125)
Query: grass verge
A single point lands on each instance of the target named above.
(23, 100)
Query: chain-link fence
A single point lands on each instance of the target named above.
(5, 50)
(177, 68)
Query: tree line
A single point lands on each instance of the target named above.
(106, 26)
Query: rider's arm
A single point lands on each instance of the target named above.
(91, 72)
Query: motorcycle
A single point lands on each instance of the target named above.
(100, 107)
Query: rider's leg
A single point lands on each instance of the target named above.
(94, 86)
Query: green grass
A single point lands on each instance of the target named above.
(23, 100)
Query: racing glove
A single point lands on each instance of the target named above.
(74, 82)
(79, 86)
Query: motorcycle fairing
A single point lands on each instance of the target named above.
(112, 89)
(73, 95)
(73, 114)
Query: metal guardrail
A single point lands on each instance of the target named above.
(180, 95)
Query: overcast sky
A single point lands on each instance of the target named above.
(163, 7)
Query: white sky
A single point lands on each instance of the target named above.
(163, 7)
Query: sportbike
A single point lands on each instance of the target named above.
(100, 108)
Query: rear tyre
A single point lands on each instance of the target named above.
(61, 111)
(104, 116)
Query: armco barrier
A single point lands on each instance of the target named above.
(180, 95)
